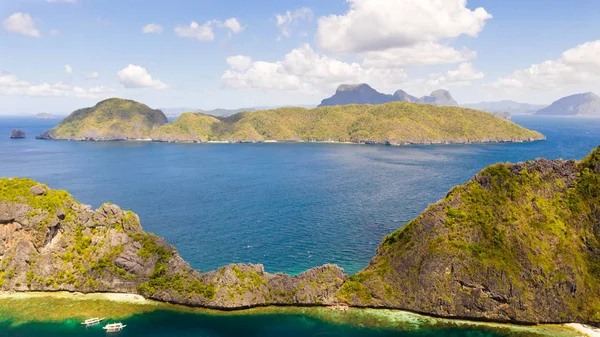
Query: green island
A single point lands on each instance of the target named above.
(518, 243)
(396, 123)
(111, 119)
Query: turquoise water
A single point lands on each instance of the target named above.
(165, 324)
(288, 206)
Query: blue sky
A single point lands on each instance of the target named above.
(59, 55)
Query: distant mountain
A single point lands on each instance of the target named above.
(176, 112)
(512, 107)
(587, 104)
(365, 94)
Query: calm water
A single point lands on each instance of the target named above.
(288, 206)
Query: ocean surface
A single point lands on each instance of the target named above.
(288, 206)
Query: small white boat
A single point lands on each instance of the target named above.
(92, 321)
(114, 327)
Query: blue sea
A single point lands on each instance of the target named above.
(288, 206)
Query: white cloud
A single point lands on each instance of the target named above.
(239, 62)
(194, 30)
(465, 72)
(10, 85)
(286, 21)
(68, 69)
(425, 54)
(92, 76)
(233, 25)
(21, 23)
(371, 25)
(206, 31)
(576, 66)
(134, 76)
(152, 28)
(463, 76)
(304, 70)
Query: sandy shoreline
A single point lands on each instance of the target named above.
(115, 297)
(587, 330)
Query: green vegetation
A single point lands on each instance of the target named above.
(111, 119)
(396, 123)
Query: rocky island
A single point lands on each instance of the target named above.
(43, 115)
(517, 243)
(111, 119)
(17, 134)
(396, 123)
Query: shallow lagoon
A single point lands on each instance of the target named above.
(59, 315)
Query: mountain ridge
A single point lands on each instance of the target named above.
(363, 93)
(585, 104)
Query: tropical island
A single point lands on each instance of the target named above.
(112, 119)
(517, 243)
(395, 123)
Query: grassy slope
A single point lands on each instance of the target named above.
(112, 119)
(517, 242)
(397, 122)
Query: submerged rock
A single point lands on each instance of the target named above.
(17, 133)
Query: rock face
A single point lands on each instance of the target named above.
(111, 119)
(50, 242)
(587, 104)
(517, 243)
(395, 123)
(364, 94)
(17, 133)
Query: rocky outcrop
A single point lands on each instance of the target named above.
(517, 243)
(111, 119)
(50, 242)
(17, 133)
(365, 94)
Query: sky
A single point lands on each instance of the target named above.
(60, 55)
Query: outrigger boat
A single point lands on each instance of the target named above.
(92, 321)
(114, 327)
